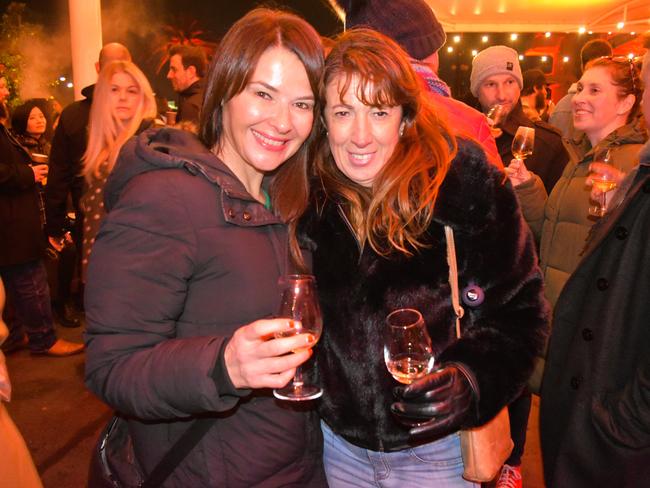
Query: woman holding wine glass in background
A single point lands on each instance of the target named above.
(184, 273)
(389, 177)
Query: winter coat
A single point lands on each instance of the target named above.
(186, 256)
(566, 218)
(21, 235)
(595, 401)
(503, 328)
(549, 156)
(190, 101)
(64, 177)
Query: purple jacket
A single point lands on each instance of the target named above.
(184, 257)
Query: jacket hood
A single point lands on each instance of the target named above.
(168, 148)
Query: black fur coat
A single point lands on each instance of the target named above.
(501, 334)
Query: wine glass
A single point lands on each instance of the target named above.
(495, 114)
(299, 304)
(523, 143)
(407, 346)
(603, 182)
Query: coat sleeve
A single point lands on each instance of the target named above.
(503, 332)
(59, 181)
(14, 175)
(139, 274)
(532, 198)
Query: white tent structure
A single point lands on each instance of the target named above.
(543, 15)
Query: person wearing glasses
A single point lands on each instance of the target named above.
(595, 407)
(606, 111)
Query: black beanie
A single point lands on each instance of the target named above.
(411, 23)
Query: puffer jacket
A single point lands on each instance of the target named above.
(566, 218)
(503, 329)
(184, 257)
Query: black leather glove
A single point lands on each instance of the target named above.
(437, 404)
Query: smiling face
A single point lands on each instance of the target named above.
(267, 122)
(500, 89)
(362, 137)
(179, 76)
(125, 95)
(598, 109)
(36, 123)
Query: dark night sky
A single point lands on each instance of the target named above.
(135, 22)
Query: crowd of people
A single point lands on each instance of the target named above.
(349, 160)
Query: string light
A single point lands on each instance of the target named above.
(61, 78)
(620, 25)
(547, 35)
(485, 39)
(521, 57)
(474, 52)
(582, 30)
(565, 59)
(450, 49)
(544, 59)
(69, 85)
(513, 37)
(456, 39)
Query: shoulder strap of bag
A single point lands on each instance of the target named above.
(178, 452)
(453, 277)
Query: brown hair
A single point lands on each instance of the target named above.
(398, 209)
(625, 75)
(231, 69)
(191, 56)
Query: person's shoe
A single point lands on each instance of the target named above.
(510, 477)
(62, 348)
(65, 317)
(23, 343)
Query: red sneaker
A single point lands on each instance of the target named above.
(510, 477)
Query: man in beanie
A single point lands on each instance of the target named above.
(496, 79)
(414, 26)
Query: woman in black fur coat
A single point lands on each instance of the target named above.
(389, 177)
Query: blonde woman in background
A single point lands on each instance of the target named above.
(123, 105)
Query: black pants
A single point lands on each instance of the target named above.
(518, 411)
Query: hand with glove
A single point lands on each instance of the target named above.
(438, 404)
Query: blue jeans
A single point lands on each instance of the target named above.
(29, 294)
(437, 464)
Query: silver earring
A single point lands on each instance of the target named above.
(401, 131)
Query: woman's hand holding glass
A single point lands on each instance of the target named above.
(255, 359)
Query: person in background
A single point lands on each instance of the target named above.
(533, 94)
(123, 105)
(187, 65)
(414, 26)
(29, 122)
(562, 116)
(65, 179)
(595, 412)
(496, 79)
(21, 251)
(184, 273)
(16, 465)
(389, 176)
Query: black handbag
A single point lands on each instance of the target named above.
(114, 464)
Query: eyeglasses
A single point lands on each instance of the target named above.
(628, 61)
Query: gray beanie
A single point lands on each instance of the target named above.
(410, 23)
(495, 60)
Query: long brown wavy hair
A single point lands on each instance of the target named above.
(393, 215)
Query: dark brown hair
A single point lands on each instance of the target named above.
(398, 209)
(191, 56)
(233, 65)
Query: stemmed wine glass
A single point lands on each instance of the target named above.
(407, 346)
(299, 304)
(603, 182)
(495, 114)
(523, 143)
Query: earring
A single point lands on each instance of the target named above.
(401, 131)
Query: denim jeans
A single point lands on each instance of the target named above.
(29, 294)
(437, 464)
